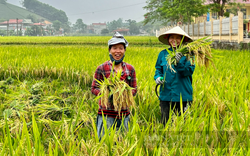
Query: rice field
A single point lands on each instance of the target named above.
(88, 40)
(46, 106)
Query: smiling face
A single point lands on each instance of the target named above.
(117, 51)
(174, 40)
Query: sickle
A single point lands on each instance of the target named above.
(156, 92)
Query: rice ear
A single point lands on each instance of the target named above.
(125, 102)
(115, 99)
(106, 96)
(131, 98)
(122, 93)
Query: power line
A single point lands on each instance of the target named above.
(108, 9)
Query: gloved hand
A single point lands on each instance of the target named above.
(159, 80)
(178, 56)
(110, 98)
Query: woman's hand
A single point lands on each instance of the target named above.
(178, 57)
(159, 81)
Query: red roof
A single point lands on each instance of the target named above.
(98, 23)
(41, 24)
(121, 30)
(12, 21)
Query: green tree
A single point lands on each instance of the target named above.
(173, 10)
(2, 20)
(12, 33)
(28, 32)
(45, 10)
(133, 27)
(234, 8)
(57, 25)
(104, 31)
(2, 32)
(35, 31)
(115, 24)
(218, 6)
(20, 33)
(150, 27)
(66, 27)
(33, 18)
(3, 1)
(79, 26)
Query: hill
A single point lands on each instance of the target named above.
(10, 11)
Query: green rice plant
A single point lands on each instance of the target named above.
(77, 40)
(37, 139)
(25, 134)
(8, 138)
(217, 123)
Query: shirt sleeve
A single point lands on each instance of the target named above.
(158, 67)
(133, 82)
(95, 87)
(185, 67)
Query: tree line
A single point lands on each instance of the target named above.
(3, 1)
(174, 11)
(45, 11)
(134, 27)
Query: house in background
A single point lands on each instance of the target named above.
(245, 9)
(48, 24)
(13, 24)
(90, 29)
(23, 24)
(39, 24)
(98, 27)
(246, 13)
(122, 31)
(16, 25)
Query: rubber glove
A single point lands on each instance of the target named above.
(159, 80)
(178, 57)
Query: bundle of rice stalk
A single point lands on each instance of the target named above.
(198, 49)
(121, 91)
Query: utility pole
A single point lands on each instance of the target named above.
(17, 26)
(8, 28)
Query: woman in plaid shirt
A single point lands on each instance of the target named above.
(117, 47)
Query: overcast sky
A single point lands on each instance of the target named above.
(95, 11)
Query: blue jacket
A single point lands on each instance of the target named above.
(176, 84)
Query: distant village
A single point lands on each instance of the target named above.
(25, 27)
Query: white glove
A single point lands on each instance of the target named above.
(159, 81)
(178, 56)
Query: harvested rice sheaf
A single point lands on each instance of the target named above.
(121, 91)
(199, 50)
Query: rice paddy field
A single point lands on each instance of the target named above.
(87, 40)
(46, 106)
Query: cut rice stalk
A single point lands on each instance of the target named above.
(198, 50)
(121, 91)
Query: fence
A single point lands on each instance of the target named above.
(224, 29)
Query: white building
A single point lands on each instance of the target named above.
(98, 27)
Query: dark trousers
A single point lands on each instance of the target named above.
(175, 106)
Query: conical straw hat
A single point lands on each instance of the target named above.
(163, 38)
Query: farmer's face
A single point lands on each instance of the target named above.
(174, 40)
(117, 51)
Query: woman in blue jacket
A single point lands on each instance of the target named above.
(174, 84)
